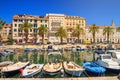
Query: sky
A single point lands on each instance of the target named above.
(99, 12)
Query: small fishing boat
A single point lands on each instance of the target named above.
(9, 51)
(53, 68)
(43, 50)
(35, 50)
(32, 70)
(28, 49)
(94, 69)
(55, 49)
(13, 69)
(5, 63)
(73, 69)
(99, 51)
(68, 47)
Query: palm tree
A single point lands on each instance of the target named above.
(1, 25)
(118, 30)
(94, 29)
(61, 33)
(77, 32)
(42, 30)
(26, 27)
(108, 31)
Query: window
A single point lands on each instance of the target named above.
(45, 21)
(20, 20)
(45, 25)
(15, 30)
(114, 55)
(15, 25)
(35, 30)
(15, 20)
(30, 20)
(20, 25)
(41, 21)
(35, 20)
(26, 20)
(30, 30)
(35, 25)
(18, 30)
(107, 57)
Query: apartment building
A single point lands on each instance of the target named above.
(55, 21)
(6, 32)
(36, 22)
(52, 21)
(71, 23)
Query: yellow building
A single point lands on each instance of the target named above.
(71, 23)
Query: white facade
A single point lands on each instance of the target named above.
(55, 21)
(99, 37)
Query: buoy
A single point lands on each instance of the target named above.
(21, 70)
(62, 73)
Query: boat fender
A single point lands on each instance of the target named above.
(21, 70)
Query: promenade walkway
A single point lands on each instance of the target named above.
(87, 78)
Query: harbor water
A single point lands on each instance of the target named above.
(41, 57)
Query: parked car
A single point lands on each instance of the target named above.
(56, 42)
(49, 42)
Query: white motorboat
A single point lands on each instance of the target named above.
(115, 55)
(32, 70)
(72, 68)
(106, 61)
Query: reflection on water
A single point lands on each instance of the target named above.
(42, 57)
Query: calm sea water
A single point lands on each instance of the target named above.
(42, 58)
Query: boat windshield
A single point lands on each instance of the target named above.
(106, 57)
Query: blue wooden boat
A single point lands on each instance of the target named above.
(94, 69)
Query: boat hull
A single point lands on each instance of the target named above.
(94, 73)
(52, 73)
(13, 72)
(117, 71)
(32, 74)
(74, 69)
(74, 73)
(10, 73)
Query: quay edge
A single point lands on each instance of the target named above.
(82, 78)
